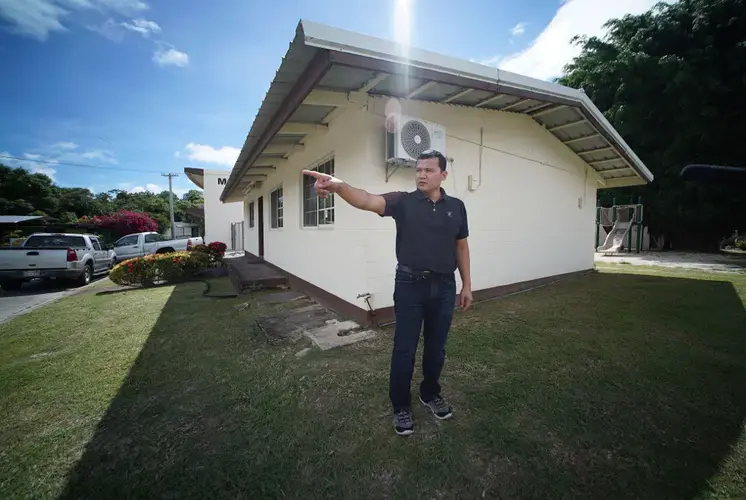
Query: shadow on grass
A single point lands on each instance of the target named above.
(184, 422)
(606, 386)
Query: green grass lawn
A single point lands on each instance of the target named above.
(610, 385)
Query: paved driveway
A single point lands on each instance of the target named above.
(701, 261)
(32, 296)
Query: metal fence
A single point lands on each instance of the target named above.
(237, 236)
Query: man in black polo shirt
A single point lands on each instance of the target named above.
(431, 242)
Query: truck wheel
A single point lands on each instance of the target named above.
(11, 285)
(85, 278)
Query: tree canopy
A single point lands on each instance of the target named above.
(672, 82)
(24, 193)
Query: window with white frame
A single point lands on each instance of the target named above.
(317, 211)
(275, 207)
(251, 214)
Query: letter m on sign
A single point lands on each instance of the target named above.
(222, 181)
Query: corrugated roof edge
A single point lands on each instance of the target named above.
(15, 219)
(196, 175)
(337, 39)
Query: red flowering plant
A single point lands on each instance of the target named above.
(159, 269)
(124, 222)
(214, 252)
(218, 247)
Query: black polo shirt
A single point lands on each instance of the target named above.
(426, 231)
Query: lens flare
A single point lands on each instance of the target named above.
(403, 24)
(403, 31)
(392, 112)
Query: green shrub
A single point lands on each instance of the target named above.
(741, 244)
(159, 268)
(214, 251)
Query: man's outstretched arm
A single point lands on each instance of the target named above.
(358, 198)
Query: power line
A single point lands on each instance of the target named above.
(69, 164)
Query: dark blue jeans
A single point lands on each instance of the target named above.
(417, 300)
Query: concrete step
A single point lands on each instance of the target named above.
(248, 274)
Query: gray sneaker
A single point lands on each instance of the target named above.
(439, 407)
(403, 424)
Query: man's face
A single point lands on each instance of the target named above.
(429, 175)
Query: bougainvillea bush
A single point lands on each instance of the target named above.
(159, 268)
(124, 222)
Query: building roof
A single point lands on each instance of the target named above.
(198, 212)
(327, 69)
(196, 175)
(15, 219)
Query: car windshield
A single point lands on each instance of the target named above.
(55, 241)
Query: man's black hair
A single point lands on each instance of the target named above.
(431, 153)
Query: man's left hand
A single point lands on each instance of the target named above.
(465, 299)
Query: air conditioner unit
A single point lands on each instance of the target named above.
(408, 137)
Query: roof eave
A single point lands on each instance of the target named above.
(339, 40)
(346, 48)
(635, 162)
(196, 175)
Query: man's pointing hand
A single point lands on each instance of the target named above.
(325, 183)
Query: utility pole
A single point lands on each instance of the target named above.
(171, 202)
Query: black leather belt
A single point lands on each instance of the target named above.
(407, 269)
(417, 272)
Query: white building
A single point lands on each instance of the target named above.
(527, 159)
(223, 221)
(182, 230)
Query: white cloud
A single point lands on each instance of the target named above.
(100, 155)
(38, 18)
(38, 168)
(123, 7)
(31, 163)
(65, 145)
(518, 29)
(207, 154)
(10, 162)
(170, 57)
(33, 18)
(142, 26)
(552, 50)
(110, 30)
(152, 188)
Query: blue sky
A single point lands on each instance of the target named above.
(140, 87)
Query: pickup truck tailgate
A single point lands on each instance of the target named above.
(41, 252)
(32, 258)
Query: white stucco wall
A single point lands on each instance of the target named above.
(219, 215)
(524, 220)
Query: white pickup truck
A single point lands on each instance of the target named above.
(139, 244)
(75, 257)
